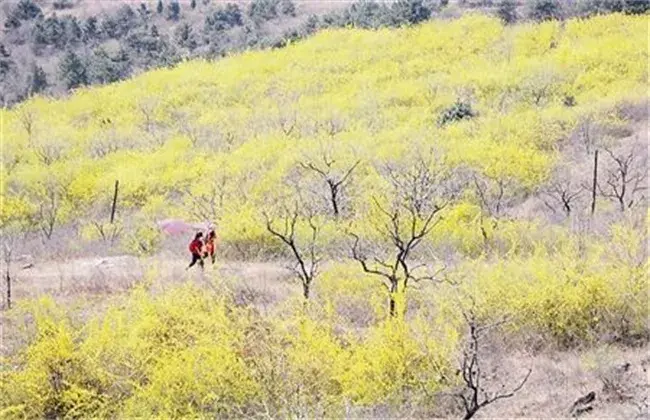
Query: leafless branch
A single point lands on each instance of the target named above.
(474, 397)
(306, 256)
(332, 178)
(626, 177)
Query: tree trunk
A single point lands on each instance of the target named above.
(469, 414)
(334, 198)
(8, 278)
(305, 291)
(393, 301)
(593, 187)
(117, 185)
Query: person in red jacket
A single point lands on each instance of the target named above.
(210, 245)
(196, 249)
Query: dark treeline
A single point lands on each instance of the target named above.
(55, 53)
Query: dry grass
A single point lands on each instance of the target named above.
(558, 379)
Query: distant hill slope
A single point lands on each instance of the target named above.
(52, 46)
(223, 140)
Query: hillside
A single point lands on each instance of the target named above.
(240, 125)
(50, 47)
(431, 188)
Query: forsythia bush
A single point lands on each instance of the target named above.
(190, 353)
(231, 133)
(577, 292)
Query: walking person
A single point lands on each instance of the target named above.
(210, 245)
(196, 249)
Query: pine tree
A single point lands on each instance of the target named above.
(6, 63)
(174, 10)
(37, 81)
(73, 71)
(507, 11)
(75, 33)
(160, 7)
(144, 12)
(185, 37)
(193, 4)
(90, 29)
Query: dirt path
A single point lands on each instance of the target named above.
(107, 275)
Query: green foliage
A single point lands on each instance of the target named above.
(543, 10)
(57, 32)
(287, 8)
(105, 68)
(174, 11)
(143, 239)
(25, 10)
(366, 14)
(636, 7)
(6, 63)
(370, 14)
(73, 71)
(37, 80)
(460, 110)
(409, 12)
(90, 29)
(593, 7)
(62, 4)
(224, 18)
(184, 36)
(507, 11)
(263, 10)
(151, 48)
(121, 23)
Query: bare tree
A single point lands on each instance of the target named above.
(563, 191)
(626, 177)
(287, 109)
(332, 125)
(48, 211)
(7, 254)
(306, 254)
(475, 396)
(335, 180)
(10, 237)
(208, 204)
(109, 232)
(496, 195)
(419, 195)
(562, 194)
(50, 196)
(587, 133)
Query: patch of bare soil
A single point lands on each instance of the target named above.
(604, 382)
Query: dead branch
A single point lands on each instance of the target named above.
(333, 179)
(475, 396)
(419, 195)
(626, 178)
(561, 193)
(307, 258)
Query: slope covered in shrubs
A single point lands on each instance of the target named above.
(477, 135)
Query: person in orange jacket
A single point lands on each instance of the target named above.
(210, 245)
(196, 249)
